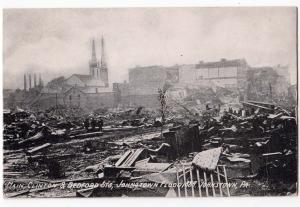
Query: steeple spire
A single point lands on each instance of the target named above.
(103, 61)
(25, 83)
(94, 58)
(103, 65)
(93, 62)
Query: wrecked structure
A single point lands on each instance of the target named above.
(212, 129)
(266, 84)
(206, 127)
(231, 75)
(93, 91)
(219, 135)
(224, 73)
(250, 151)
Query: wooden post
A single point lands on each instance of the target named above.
(225, 174)
(199, 186)
(219, 180)
(212, 184)
(184, 180)
(178, 188)
(191, 176)
(205, 180)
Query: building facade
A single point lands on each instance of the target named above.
(144, 83)
(142, 89)
(89, 91)
(223, 73)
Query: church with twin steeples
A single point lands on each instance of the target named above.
(91, 91)
(98, 72)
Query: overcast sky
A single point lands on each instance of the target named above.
(56, 42)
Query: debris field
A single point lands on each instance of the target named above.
(219, 152)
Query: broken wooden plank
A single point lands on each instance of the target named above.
(78, 180)
(87, 135)
(130, 157)
(153, 167)
(113, 172)
(134, 157)
(121, 129)
(123, 158)
(256, 106)
(16, 194)
(199, 184)
(266, 104)
(23, 192)
(39, 148)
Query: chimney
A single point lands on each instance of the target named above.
(40, 80)
(29, 81)
(25, 83)
(34, 80)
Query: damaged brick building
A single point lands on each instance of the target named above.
(93, 91)
(266, 84)
(234, 75)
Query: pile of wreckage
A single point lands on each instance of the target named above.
(58, 124)
(251, 151)
(222, 158)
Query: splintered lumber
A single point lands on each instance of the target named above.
(152, 167)
(184, 181)
(275, 116)
(263, 103)
(219, 180)
(113, 172)
(23, 192)
(16, 194)
(40, 157)
(226, 180)
(75, 132)
(256, 105)
(135, 156)
(85, 192)
(178, 182)
(285, 111)
(36, 137)
(12, 173)
(88, 180)
(123, 158)
(130, 157)
(191, 176)
(87, 135)
(212, 184)
(39, 148)
(198, 180)
(121, 129)
(272, 154)
(205, 180)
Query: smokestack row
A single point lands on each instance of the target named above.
(28, 85)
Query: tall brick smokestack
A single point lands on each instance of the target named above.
(34, 80)
(25, 83)
(40, 80)
(29, 81)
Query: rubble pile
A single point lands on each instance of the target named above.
(133, 153)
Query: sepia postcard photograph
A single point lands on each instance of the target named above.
(181, 102)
